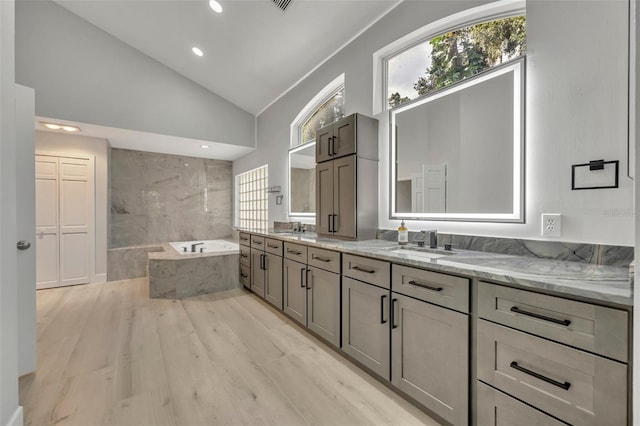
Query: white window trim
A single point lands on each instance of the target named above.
(490, 11)
(316, 102)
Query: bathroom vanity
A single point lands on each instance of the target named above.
(472, 337)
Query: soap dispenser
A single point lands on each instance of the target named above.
(403, 234)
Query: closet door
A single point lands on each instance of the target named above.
(47, 230)
(76, 179)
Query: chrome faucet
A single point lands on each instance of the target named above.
(193, 247)
(433, 238)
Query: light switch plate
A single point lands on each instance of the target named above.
(551, 225)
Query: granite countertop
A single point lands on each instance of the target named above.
(583, 280)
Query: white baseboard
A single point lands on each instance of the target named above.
(100, 278)
(16, 419)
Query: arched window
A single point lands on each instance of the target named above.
(448, 51)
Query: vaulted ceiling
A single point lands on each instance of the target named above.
(253, 51)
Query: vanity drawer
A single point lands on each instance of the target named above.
(245, 274)
(371, 271)
(245, 255)
(245, 239)
(591, 327)
(498, 409)
(324, 259)
(296, 252)
(257, 242)
(273, 246)
(442, 289)
(572, 385)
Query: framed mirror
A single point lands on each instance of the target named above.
(302, 180)
(458, 154)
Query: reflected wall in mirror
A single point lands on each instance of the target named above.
(302, 180)
(458, 154)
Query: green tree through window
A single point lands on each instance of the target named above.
(465, 52)
(330, 111)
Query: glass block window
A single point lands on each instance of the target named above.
(252, 198)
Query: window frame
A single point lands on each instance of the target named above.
(477, 15)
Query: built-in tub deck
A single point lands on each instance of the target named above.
(173, 275)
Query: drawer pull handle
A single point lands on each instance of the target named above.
(427, 286)
(565, 385)
(517, 310)
(244, 275)
(244, 255)
(258, 243)
(321, 259)
(272, 246)
(368, 271)
(297, 253)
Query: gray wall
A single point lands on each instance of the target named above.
(576, 112)
(303, 190)
(64, 144)
(161, 198)
(83, 74)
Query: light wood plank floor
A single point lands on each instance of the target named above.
(109, 355)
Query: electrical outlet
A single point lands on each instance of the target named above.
(551, 225)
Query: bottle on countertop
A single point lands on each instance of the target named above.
(403, 234)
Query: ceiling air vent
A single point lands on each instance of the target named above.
(282, 4)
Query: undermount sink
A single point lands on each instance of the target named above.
(422, 252)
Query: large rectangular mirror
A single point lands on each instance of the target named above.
(458, 154)
(302, 180)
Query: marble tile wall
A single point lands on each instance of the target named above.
(129, 262)
(176, 279)
(159, 198)
(575, 252)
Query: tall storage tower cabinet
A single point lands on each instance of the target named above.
(347, 178)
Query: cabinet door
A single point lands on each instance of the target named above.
(245, 276)
(344, 137)
(273, 280)
(430, 356)
(323, 143)
(295, 290)
(365, 325)
(344, 197)
(324, 197)
(257, 273)
(498, 409)
(323, 304)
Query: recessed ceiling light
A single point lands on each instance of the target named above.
(204, 146)
(65, 127)
(217, 7)
(197, 51)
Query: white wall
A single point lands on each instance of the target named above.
(64, 144)
(576, 112)
(83, 74)
(10, 412)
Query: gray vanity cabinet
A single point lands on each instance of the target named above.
(430, 347)
(335, 197)
(365, 325)
(257, 272)
(346, 186)
(295, 290)
(266, 269)
(354, 134)
(323, 304)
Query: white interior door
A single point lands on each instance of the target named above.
(47, 229)
(75, 203)
(435, 188)
(417, 194)
(64, 200)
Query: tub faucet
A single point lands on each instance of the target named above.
(193, 247)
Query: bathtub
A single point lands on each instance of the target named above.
(213, 247)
